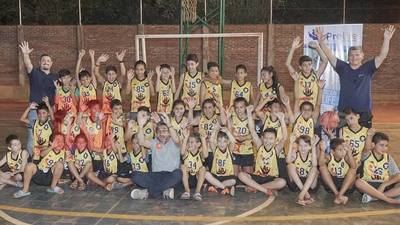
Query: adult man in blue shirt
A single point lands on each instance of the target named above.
(41, 83)
(355, 77)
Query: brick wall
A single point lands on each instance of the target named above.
(62, 42)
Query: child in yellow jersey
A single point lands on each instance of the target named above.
(238, 122)
(267, 175)
(165, 87)
(111, 84)
(240, 87)
(269, 88)
(80, 162)
(355, 134)
(211, 87)
(13, 162)
(208, 121)
(65, 99)
(106, 174)
(140, 86)
(42, 127)
(193, 152)
(49, 170)
(305, 122)
(338, 170)
(86, 82)
(178, 119)
(306, 87)
(302, 167)
(379, 175)
(221, 175)
(190, 82)
(116, 125)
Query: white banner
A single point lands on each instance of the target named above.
(339, 38)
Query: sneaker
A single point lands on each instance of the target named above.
(185, 196)
(366, 198)
(197, 197)
(232, 191)
(169, 193)
(20, 194)
(139, 194)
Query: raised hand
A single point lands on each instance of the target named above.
(158, 70)
(313, 44)
(296, 43)
(150, 74)
(371, 132)
(314, 140)
(57, 84)
(33, 105)
(250, 109)
(172, 74)
(82, 53)
(191, 102)
(319, 31)
(165, 118)
(130, 74)
(91, 53)
(280, 115)
(155, 117)
(285, 100)
(103, 58)
(295, 75)
(24, 46)
(45, 99)
(389, 31)
(120, 56)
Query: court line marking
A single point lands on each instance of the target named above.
(203, 218)
(250, 212)
(10, 219)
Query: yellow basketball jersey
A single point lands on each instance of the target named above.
(118, 133)
(213, 91)
(111, 91)
(96, 131)
(357, 141)
(240, 91)
(241, 128)
(193, 162)
(165, 97)
(308, 88)
(303, 167)
(86, 94)
(191, 88)
(339, 168)
(222, 164)
(374, 169)
(110, 162)
(266, 162)
(64, 100)
(178, 125)
(51, 159)
(82, 158)
(269, 123)
(138, 162)
(14, 164)
(303, 127)
(207, 125)
(266, 92)
(140, 93)
(41, 137)
(148, 130)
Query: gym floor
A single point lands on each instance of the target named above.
(96, 206)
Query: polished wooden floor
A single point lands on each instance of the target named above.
(99, 207)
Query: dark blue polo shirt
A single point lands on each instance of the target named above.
(355, 85)
(41, 84)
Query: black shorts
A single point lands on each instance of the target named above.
(293, 187)
(224, 178)
(124, 170)
(209, 160)
(97, 165)
(338, 184)
(262, 180)
(243, 160)
(377, 184)
(192, 181)
(103, 174)
(41, 178)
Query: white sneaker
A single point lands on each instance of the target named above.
(139, 194)
(367, 198)
(169, 193)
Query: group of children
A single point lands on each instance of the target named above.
(245, 142)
